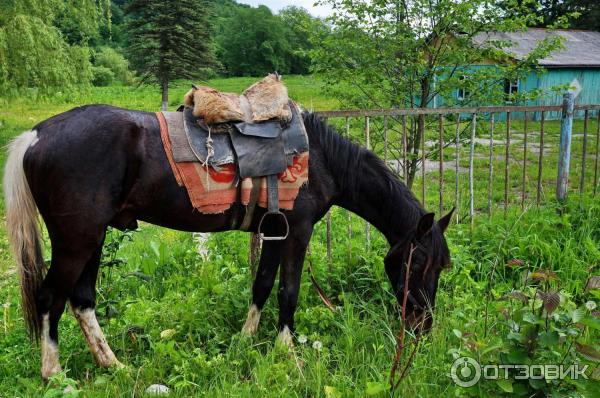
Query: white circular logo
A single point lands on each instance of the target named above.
(465, 372)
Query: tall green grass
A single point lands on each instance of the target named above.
(174, 317)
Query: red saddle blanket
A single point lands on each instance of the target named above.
(214, 191)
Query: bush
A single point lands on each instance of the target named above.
(102, 76)
(109, 58)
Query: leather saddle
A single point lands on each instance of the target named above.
(260, 149)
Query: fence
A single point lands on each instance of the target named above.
(464, 147)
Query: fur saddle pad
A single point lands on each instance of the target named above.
(264, 100)
(213, 186)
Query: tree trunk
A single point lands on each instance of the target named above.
(418, 133)
(164, 86)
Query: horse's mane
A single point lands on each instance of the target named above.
(350, 160)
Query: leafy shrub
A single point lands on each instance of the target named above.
(111, 59)
(35, 56)
(102, 76)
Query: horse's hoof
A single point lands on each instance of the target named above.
(251, 325)
(118, 365)
(48, 372)
(285, 338)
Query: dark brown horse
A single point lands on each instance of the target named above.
(99, 166)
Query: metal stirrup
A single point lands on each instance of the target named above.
(273, 209)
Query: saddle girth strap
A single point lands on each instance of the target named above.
(254, 193)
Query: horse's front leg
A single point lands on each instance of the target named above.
(292, 260)
(270, 258)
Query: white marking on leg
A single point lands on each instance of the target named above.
(252, 319)
(95, 338)
(50, 362)
(285, 337)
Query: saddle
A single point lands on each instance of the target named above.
(262, 140)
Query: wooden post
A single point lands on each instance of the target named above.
(368, 144)
(441, 156)
(564, 157)
(329, 250)
(471, 156)
(597, 149)
(254, 253)
(584, 150)
(540, 160)
(404, 145)
(457, 166)
(524, 182)
(423, 157)
(347, 211)
(328, 235)
(385, 140)
(507, 163)
(491, 168)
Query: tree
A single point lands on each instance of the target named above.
(582, 14)
(253, 43)
(170, 39)
(300, 25)
(34, 53)
(405, 53)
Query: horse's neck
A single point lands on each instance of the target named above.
(392, 210)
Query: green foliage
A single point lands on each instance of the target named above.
(110, 58)
(43, 45)
(103, 76)
(300, 25)
(254, 42)
(36, 57)
(46, 10)
(78, 21)
(583, 14)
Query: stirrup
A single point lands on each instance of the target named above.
(273, 213)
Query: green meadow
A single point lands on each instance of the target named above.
(515, 294)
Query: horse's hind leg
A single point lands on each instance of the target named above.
(83, 302)
(270, 258)
(70, 253)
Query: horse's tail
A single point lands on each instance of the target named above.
(23, 230)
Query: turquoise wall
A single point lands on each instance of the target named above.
(588, 78)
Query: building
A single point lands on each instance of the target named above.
(576, 65)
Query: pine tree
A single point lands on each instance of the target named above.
(170, 39)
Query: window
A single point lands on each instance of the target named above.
(463, 92)
(511, 87)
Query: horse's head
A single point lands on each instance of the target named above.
(427, 252)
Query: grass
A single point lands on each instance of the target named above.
(174, 317)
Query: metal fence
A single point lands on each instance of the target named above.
(481, 158)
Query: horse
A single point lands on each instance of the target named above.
(97, 166)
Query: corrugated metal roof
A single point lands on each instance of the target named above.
(581, 47)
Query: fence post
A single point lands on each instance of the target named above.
(564, 157)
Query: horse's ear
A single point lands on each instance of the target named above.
(425, 224)
(445, 221)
